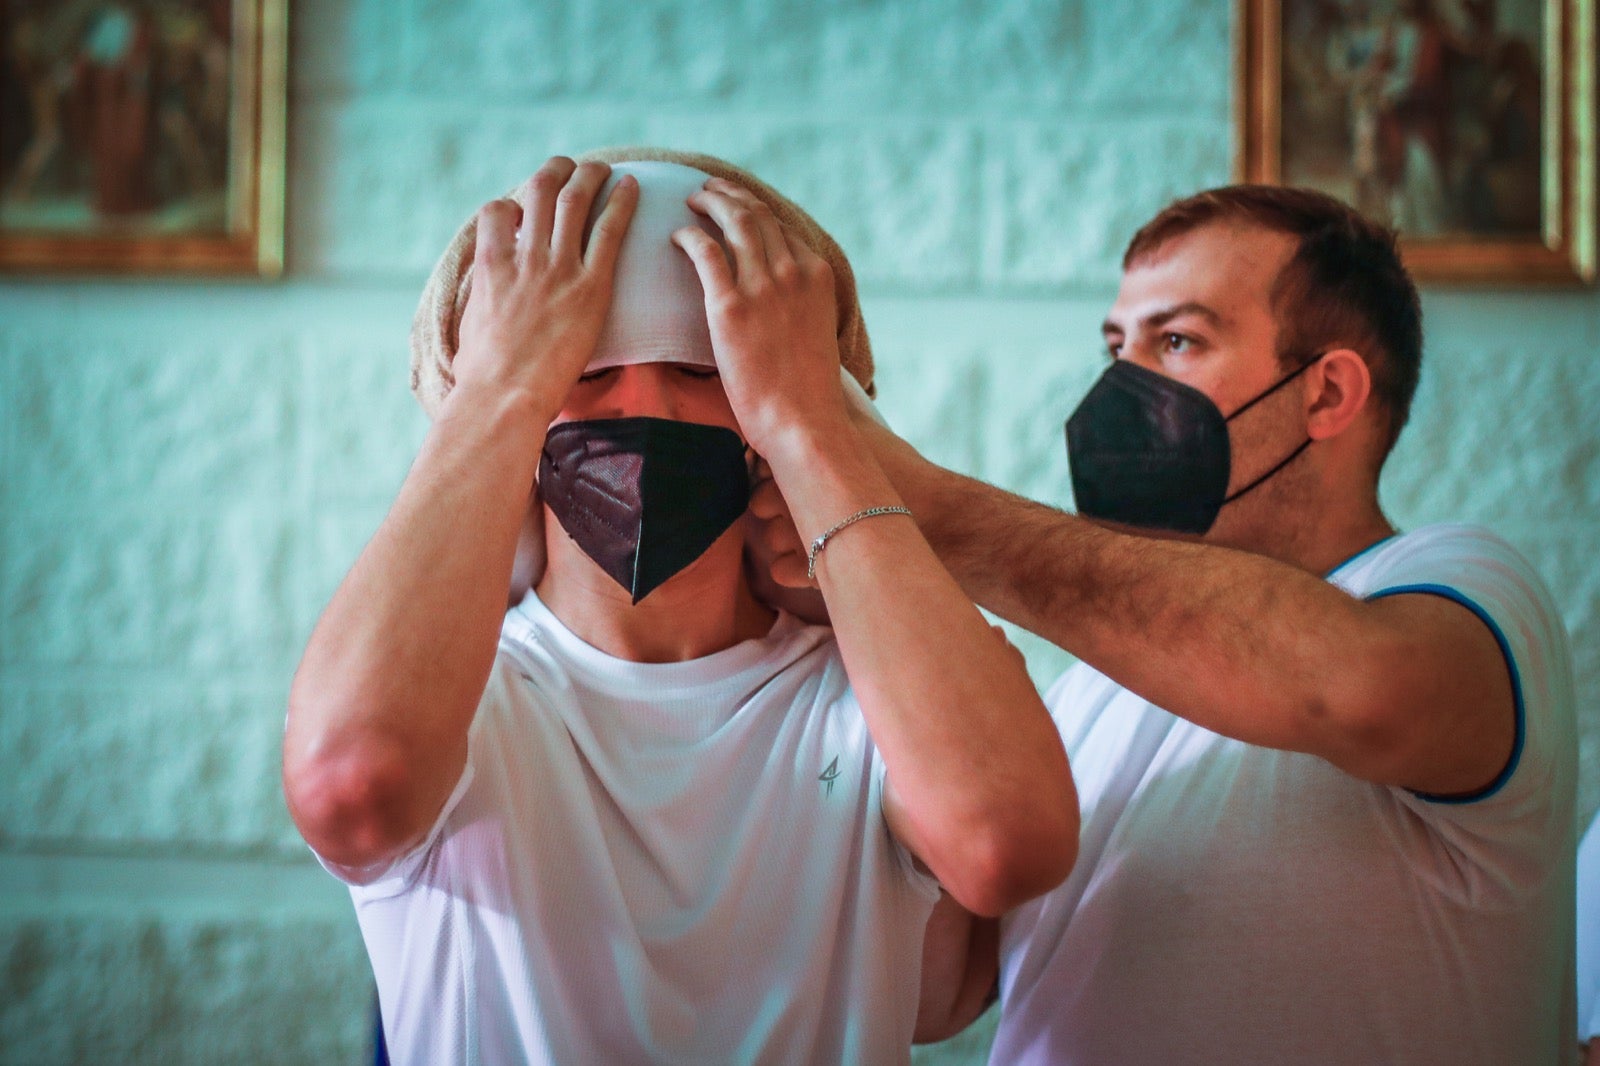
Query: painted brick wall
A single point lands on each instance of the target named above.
(188, 468)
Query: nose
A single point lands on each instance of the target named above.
(645, 389)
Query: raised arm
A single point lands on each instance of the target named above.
(392, 675)
(979, 787)
(1410, 690)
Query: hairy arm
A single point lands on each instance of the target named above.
(391, 678)
(1410, 690)
(979, 789)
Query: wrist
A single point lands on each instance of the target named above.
(510, 406)
(802, 440)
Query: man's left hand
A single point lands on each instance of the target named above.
(772, 315)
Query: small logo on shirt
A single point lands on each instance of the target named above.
(827, 776)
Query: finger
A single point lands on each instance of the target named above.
(805, 256)
(497, 228)
(779, 536)
(716, 276)
(742, 230)
(572, 209)
(766, 502)
(779, 252)
(605, 240)
(779, 545)
(539, 194)
(789, 570)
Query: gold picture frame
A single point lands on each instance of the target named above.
(1469, 125)
(143, 137)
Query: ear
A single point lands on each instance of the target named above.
(1338, 389)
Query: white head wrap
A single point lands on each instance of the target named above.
(658, 308)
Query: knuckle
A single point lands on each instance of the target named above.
(731, 306)
(786, 272)
(494, 209)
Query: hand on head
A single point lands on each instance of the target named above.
(539, 296)
(772, 313)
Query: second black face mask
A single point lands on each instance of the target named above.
(1149, 451)
(643, 497)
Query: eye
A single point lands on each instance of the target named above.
(596, 375)
(1113, 349)
(700, 373)
(1177, 343)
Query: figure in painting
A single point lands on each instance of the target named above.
(116, 112)
(1424, 114)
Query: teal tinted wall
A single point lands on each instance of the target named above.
(187, 468)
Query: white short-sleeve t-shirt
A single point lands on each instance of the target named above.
(665, 863)
(1238, 904)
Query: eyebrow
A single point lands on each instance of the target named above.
(1157, 319)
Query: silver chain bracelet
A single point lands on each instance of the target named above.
(822, 541)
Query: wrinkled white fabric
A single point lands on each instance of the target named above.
(678, 862)
(658, 308)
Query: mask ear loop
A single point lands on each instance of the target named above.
(1280, 383)
(1292, 456)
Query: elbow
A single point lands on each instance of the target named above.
(1002, 868)
(348, 800)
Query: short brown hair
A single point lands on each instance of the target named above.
(1345, 286)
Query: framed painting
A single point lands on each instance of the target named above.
(142, 136)
(1468, 125)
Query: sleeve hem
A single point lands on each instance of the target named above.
(1510, 768)
(387, 879)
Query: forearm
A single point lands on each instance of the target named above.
(395, 667)
(974, 760)
(1235, 642)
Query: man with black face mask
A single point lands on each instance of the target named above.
(644, 816)
(1326, 768)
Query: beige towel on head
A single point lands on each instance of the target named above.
(435, 332)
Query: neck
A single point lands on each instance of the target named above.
(1316, 530)
(701, 610)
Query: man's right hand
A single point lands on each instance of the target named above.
(539, 296)
(380, 707)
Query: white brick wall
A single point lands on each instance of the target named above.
(188, 468)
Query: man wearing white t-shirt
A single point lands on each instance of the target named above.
(1326, 768)
(643, 816)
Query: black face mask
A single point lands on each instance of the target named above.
(643, 497)
(1152, 452)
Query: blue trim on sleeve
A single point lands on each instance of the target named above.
(1457, 596)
